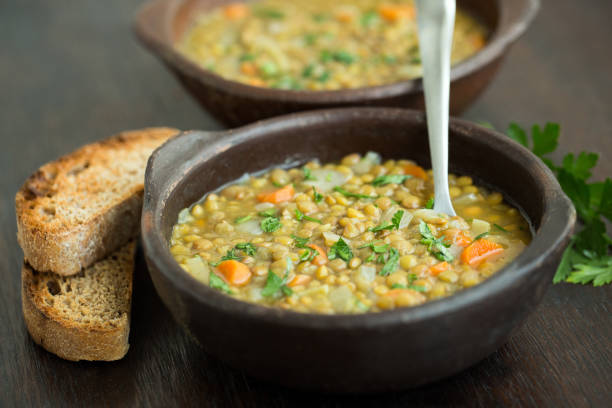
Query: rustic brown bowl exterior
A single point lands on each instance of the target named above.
(353, 353)
(160, 23)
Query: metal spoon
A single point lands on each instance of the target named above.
(436, 20)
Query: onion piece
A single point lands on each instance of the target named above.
(365, 164)
(331, 238)
(466, 199)
(480, 227)
(326, 180)
(264, 206)
(367, 272)
(342, 299)
(198, 269)
(430, 216)
(250, 227)
(388, 216)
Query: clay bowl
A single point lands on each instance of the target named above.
(160, 24)
(353, 353)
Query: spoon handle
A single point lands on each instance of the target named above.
(436, 20)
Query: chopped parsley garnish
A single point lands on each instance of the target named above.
(391, 264)
(436, 246)
(429, 204)
(269, 13)
(216, 282)
(240, 220)
(394, 224)
(307, 255)
(275, 284)
(270, 212)
(587, 259)
(349, 194)
(246, 57)
(308, 174)
(417, 288)
(389, 179)
(301, 216)
(247, 247)
(299, 241)
(480, 236)
(231, 255)
(499, 227)
(270, 224)
(369, 18)
(378, 249)
(318, 197)
(340, 250)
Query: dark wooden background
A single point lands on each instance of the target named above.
(71, 72)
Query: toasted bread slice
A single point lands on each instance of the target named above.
(85, 316)
(78, 209)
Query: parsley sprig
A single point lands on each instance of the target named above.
(436, 246)
(389, 179)
(340, 250)
(394, 224)
(587, 259)
(301, 216)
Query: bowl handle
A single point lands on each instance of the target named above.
(174, 157)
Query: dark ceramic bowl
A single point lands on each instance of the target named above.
(353, 353)
(161, 23)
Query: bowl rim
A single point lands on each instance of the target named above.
(514, 17)
(556, 224)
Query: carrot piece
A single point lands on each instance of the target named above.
(235, 11)
(394, 12)
(453, 236)
(299, 280)
(277, 196)
(438, 268)
(479, 251)
(248, 68)
(256, 82)
(415, 171)
(344, 17)
(234, 272)
(320, 259)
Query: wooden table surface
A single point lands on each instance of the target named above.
(71, 72)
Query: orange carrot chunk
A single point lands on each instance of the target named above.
(248, 68)
(235, 273)
(415, 171)
(299, 280)
(453, 236)
(394, 12)
(235, 11)
(320, 259)
(480, 250)
(438, 268)
(278, 196)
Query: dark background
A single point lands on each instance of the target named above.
(71, 72)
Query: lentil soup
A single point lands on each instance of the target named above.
(318, 45)
(346, 238)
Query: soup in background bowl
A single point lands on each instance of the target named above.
(318, 45)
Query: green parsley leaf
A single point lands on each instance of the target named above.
(270, 212)
(499, 227)
(308, 174)
(301, 216)
(389, 179)
(316, 196)
(378, 249)
(215, 282)
(369, 18)
(340, 250)
(351, 195)
(246, 57)
(581, 166)
(391, 264)
(247, 247)
(299, 242)
(598, 272)
(517, 134)
(274, 283)
(397, 218)
(398, 286)
(545, 140)
(240, 220)
(269, 13)
(307, 255)
(231, 255)
(270, 224)
(437, 246)
(418, 288)
(429, 204)
(481, 236)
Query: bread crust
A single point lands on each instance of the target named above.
(66, 246)
(70, 339)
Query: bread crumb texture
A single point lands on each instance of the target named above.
(97, 298)
(78, 187)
